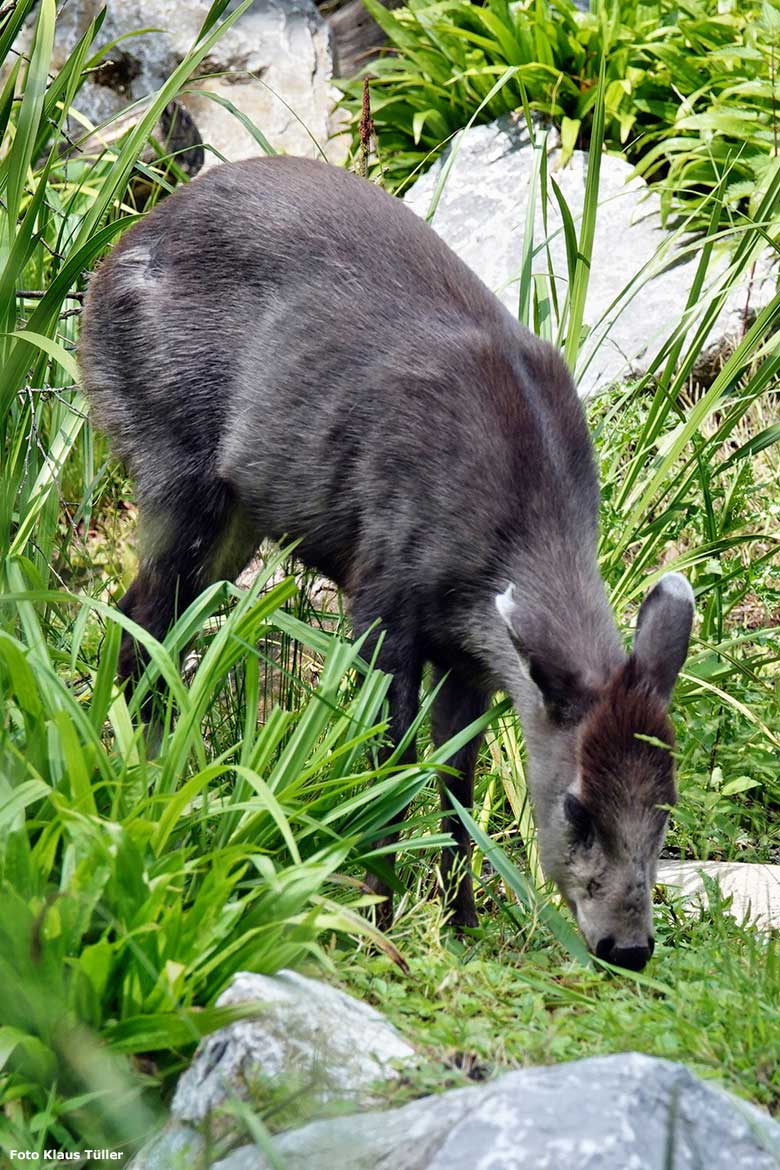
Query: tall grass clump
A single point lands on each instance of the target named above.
(135, 887)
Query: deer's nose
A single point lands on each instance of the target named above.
(631, 958)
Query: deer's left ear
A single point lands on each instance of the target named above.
(663, 631)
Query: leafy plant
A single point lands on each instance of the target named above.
(134, 887)
(691, 87)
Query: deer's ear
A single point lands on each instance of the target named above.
(562, 689)
(566, 696)
(663, 631)
(505, 604)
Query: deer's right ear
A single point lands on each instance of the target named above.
(560, 687)
(507, 609)
(505, 604)
(663, 631)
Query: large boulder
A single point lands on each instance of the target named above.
(482, 214)
(605, 1113)
(307, 1034)
(309, 1043)
(274, 65)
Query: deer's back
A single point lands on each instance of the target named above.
(299, 333)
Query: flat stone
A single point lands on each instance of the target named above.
(482, 213)
(623, 1112)
(753, 888)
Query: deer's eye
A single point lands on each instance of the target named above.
(593, 888)
(580, 820)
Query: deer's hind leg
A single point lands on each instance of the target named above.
(193, 536)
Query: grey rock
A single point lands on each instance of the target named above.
(275, 61)
(308, 1036)
(175, 1147)
(624, 1112)
(311, 1044)
(357, 38)
(482, 213)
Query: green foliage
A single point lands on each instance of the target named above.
(691, 87)
(134, 887)
(711, 1000)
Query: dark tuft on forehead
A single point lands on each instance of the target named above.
(623, 775)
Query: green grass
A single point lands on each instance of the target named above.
(477, 1007)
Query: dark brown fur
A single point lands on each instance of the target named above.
(620, 769)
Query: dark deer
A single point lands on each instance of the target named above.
(282, 350)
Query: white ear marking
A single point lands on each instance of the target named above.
(505, 604)
(678, 586)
